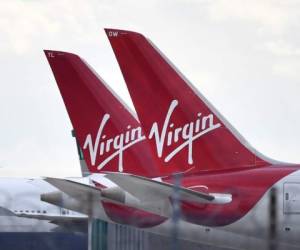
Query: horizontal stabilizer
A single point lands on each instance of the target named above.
(52, 217)
(88, 196)
(147, 190)
(76, 190)
(133, 191)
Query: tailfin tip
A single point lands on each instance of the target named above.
(112, 33)
(54, 53)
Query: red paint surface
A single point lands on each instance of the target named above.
(247, 186)
(131, 216)
(153, 84)
(229, 166)
(87, 100)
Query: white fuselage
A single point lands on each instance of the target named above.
(21, 197)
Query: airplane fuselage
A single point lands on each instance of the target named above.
(244, 223)
(21, 209)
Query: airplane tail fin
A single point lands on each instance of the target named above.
(84, 170)
(109, 135)
(184, 129)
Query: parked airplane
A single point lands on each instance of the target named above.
(225, 184)
(21, 209)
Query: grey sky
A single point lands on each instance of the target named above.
(244, 56)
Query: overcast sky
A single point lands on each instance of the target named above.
(244, 56)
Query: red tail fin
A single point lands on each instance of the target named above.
(110, 136)
(184, 129)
